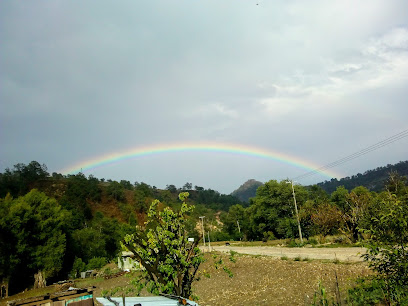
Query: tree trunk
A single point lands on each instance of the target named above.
(4, 288)
(40, 281)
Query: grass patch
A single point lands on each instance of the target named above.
(87, 282)
(297, 258)
(284, 257)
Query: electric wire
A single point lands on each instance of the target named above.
(355, 155)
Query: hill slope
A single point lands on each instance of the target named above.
(247, 190)
(371, 179)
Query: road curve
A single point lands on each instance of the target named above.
(343, 254)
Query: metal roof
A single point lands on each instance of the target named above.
(144, 301)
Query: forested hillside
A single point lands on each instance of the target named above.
(247, 190)
(372, 179)
(54, 224)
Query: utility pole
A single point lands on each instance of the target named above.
(297, 214)
(202, 225)
(209, 242)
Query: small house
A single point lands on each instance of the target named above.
(126, 262)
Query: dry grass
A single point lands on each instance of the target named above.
(262, 280)
(258, 280)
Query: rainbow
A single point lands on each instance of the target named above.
(250, 151)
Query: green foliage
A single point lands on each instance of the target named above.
(170, 262)
(116, 191)
(387, 252)
(232, 256)
(78, 267)
(235, 216)
(320, 296)
(368, 291)
(339, 198)
(373, 179)
(22, 178)
(99, 239)
(327, 218)
(79, 192)
(272, 210)
(96, 263)
(246, 190)
(35, 231)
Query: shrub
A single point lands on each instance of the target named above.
(368, 291)
(78, 267)
(96, 263)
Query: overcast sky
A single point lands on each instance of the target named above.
(316, 80)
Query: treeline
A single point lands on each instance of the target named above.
(373, 180)
(52, 224)
(271, 213)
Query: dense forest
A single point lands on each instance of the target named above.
(373, 180)
(53, 225)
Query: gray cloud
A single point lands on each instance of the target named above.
(318, 80)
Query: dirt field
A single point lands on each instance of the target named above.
(271, 281)
(342, 254)
(258, 280)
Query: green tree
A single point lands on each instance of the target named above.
(79, 192)
(100, 238)
(235, 221)
(271, 207)
(339, 198)
(356, 210)
(388, 248)
(116, 191)
(171, 262)
(327, 218)
(36, 227)
(22, 178)
(187, 186)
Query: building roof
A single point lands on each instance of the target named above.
(144, 301)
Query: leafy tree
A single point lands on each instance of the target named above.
(388, 248)
(235, 221)
(22, 178)
(339, 198)
(99, 239)
(187, 186)
(170, 261)
(358, 202)
(96, 263)
(327, 218)
(79, 192)
(272, 204)
(78, 267)
(126, 184)
(36, 227)
(396, 184)
(116, 191)
(172, 188)
(318, 194)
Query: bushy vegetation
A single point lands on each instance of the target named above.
(52, 225)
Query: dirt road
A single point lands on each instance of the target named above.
(342, 254)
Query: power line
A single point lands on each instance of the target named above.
(355, 155)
